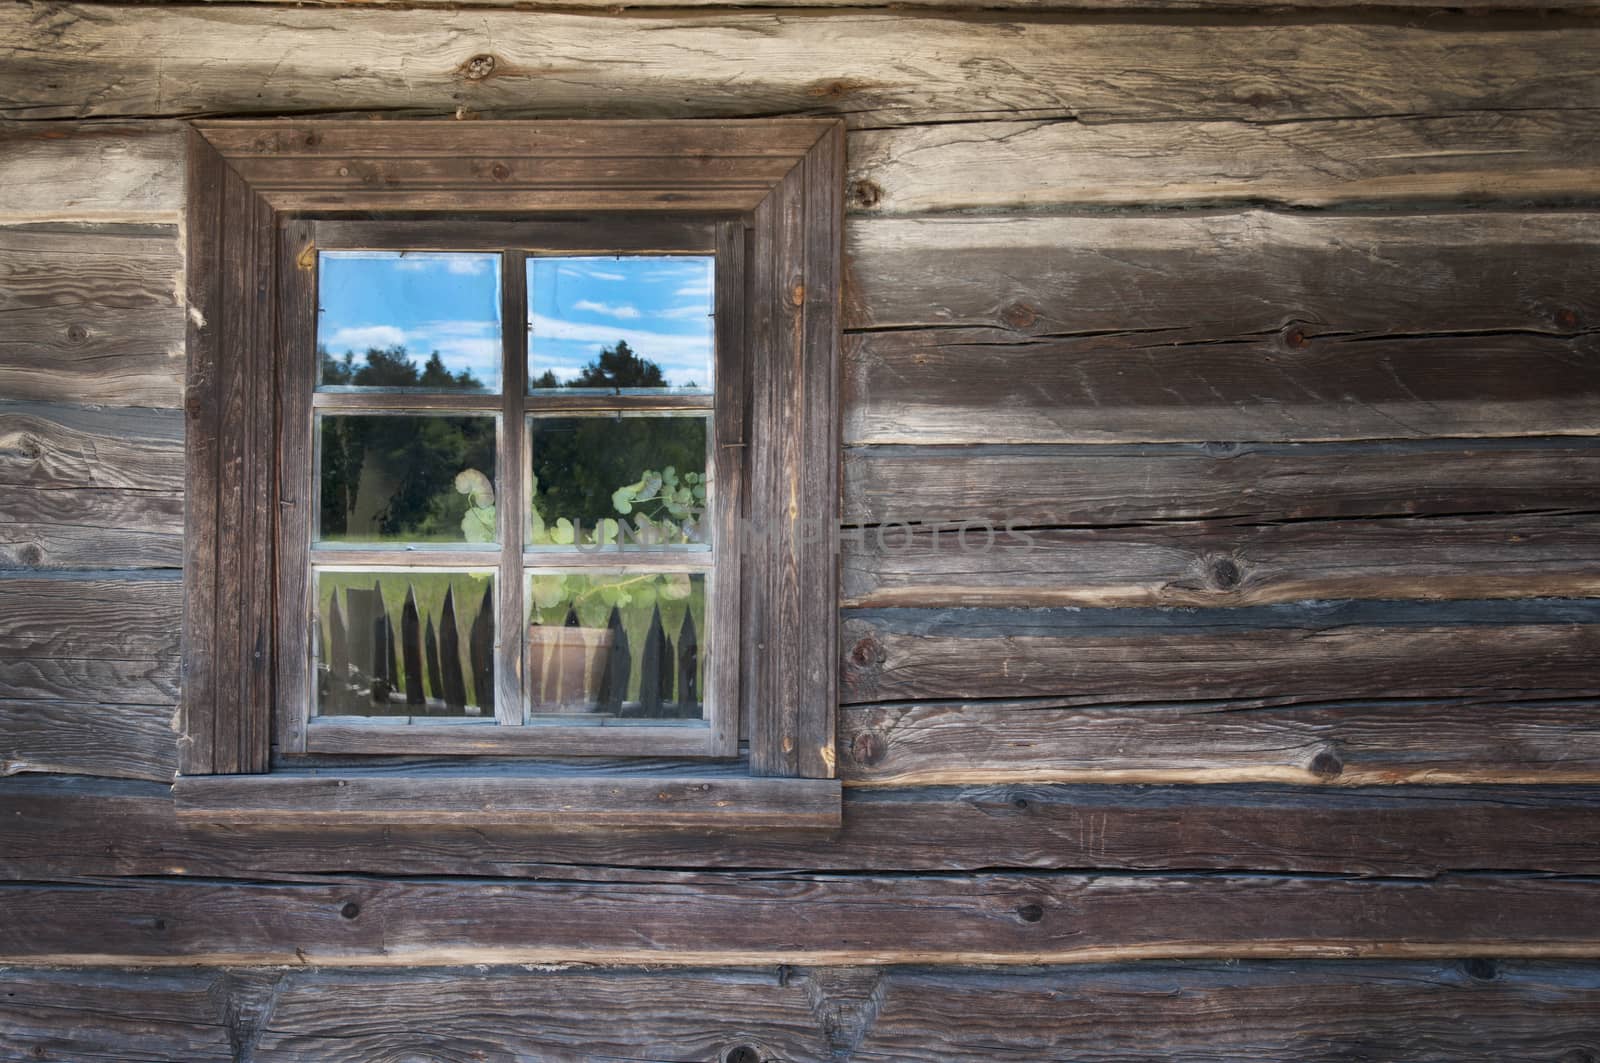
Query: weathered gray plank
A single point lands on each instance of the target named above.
(1527, 155)
(1219, 564)
(1199, 276)
(83, 738)
(77, 61)
(98, 355)
(58, 446)
(54, 828)
(1345, 744)
(90, 528)
(91, 171)
(755, 918)
(1091, 485)
(1304, 653)
(1476, 1011)
(987, 385)
(97, 637)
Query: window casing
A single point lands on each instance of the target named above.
(265, 199)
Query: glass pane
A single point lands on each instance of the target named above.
(388, 478)
(427, 320)
(618, 481)
(624, 645)
(620, 323)
(412, 643)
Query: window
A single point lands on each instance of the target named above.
(513, 442)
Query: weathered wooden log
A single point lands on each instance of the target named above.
(1045, 486)
(652, 916)
(1345, 744)
(1216, 563)
(873, 68)
(1472, 1011)
(1304, 653)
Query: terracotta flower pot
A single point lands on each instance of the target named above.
(566, 666)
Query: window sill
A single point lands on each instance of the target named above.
(563, 803)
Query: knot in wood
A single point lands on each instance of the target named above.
(350, 910)
(1225, 573)
(478, 67)
(77, 333)
(869, 748)
(1480, 969)
(865, 194)
(1295, 338)
(500, 171)
(797, 294)
(1030, 913)
(866, 652)
(1327, 764)
(1567, 318)
(1019, 315)
(741, 1054)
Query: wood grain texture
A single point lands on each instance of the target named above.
(946, 386)
(1475, 1011)
(756, 918)
(1214, 563)
(83, 528)
(90, 171)
(52, 446)
(1203, 276)
(96, 355)
(100, 636)
(1425, 159)
(1043, 486)
(77, 61)
(56, 828)
(1310, 652)
(53, 734)
(1349, 744)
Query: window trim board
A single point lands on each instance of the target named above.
(248, 184)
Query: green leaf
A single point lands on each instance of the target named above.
(478, 524)
(562, 534)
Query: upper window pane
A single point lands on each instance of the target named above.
(422, 320)
(620, 323)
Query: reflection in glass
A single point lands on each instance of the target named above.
(614, 481)
(428, 320)
(624, 645)
(406, 478)
(414, 643)
(638, 321)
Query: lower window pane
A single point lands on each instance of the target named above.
(615, 646)
(414, 643)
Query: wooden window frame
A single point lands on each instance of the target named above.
(258, 191)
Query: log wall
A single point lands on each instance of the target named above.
(1221, 573)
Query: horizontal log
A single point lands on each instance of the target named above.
(98, 355)
(1476, 1011)
(82, 738)
(1200, 277)
(99, 637)
(66, 267)
(83, 61)
(1035, 486)
(1219, 564)
(54, 828)
(563, 802)
(1344, 744)
(90, 528)
(755, 918)
(951, 386)
(1305, 653)
(1527, 155)
(90, 171)
(54, 446)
